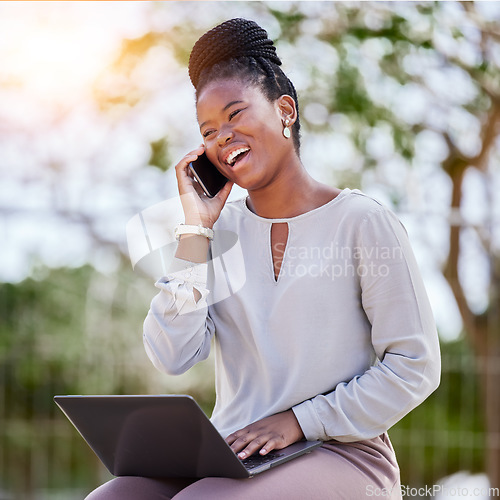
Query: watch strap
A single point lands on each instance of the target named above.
(197, 230)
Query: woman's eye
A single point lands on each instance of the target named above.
(234, 113)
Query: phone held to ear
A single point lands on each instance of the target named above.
(206, 173)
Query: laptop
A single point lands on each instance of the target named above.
(163, 436)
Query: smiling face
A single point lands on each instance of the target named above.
(242, 132)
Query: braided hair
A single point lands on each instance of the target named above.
(240, 48)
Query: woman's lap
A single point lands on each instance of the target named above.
(138, 488)
(336, 470)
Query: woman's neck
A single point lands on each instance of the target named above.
(290, 195)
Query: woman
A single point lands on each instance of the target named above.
(329, 335)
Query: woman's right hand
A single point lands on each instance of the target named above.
(198, 207)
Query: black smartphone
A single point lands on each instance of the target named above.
(206, 173)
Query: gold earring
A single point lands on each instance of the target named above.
(286, 130)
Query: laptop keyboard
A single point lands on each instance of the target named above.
(255, 460)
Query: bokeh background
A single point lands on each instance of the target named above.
(399, 99)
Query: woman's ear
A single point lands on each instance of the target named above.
(287, 108)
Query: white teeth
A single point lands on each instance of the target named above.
(230, 159)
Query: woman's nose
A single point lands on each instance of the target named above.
(225, 135)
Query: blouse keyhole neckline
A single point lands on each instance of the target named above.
(279, 240)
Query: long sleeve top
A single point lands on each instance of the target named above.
(344, 337)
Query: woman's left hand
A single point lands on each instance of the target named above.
(270, 433)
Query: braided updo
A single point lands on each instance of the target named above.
(240, 48)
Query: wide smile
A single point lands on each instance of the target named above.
(236, 156)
